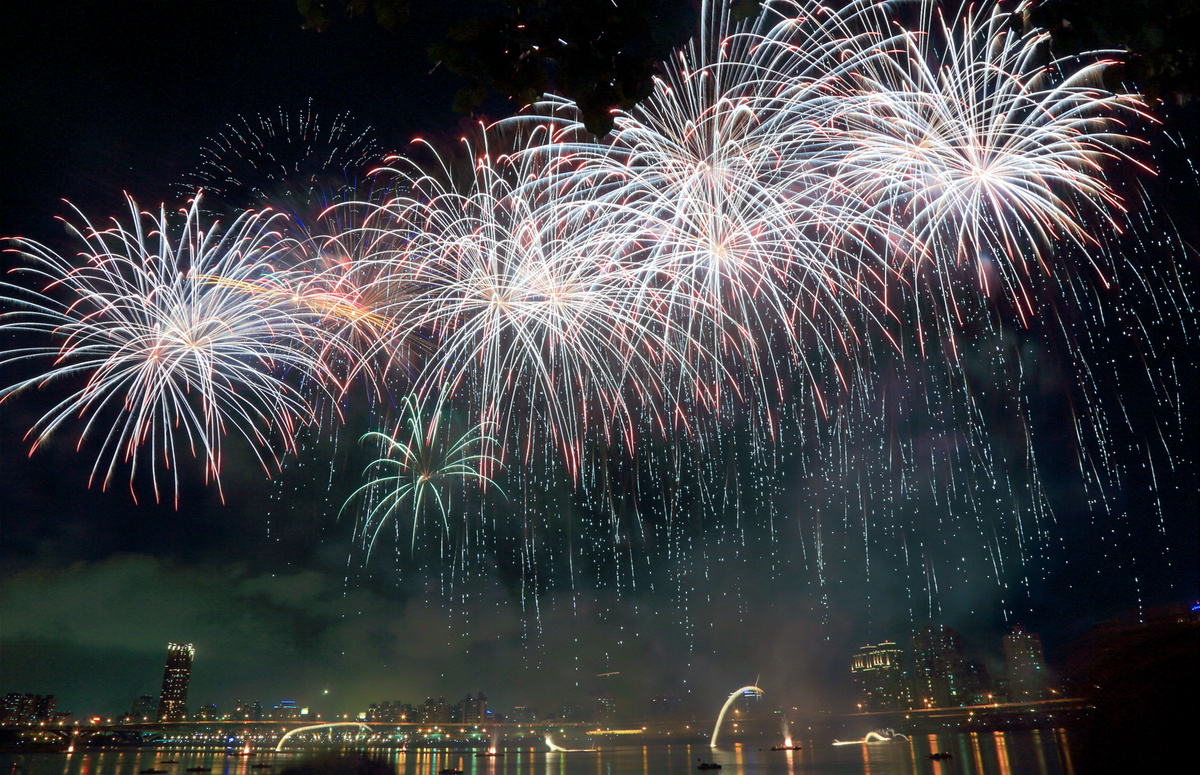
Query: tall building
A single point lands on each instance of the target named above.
(172, 700)
(246, 711)
(573, 711)
(472, 710)
(879, 677)
(23, 709)
(977, 685)
(1026, 667)
(206, 713)
(604, 707)
(390, 712)
(939, 675)
(287, 710)
(435, 711)
(522, 714)
(749, 704)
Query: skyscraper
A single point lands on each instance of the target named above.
(938, 669)
(879, 677)
(1026, 667)
(172, 700)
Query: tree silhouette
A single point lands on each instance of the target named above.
(601, 54)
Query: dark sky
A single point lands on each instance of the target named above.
(819, 554)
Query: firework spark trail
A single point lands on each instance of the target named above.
(713, 191)
(418, 467)
(316, 171)
(982, 150)
(282, 159)
(993, 161)
(174, 360)
(921, 364)
(721, 237)
(529, 312)
(823, 232)
(992, 98)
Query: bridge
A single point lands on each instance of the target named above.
(186, 734)
(266, 735)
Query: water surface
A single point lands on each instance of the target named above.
(1044, 752)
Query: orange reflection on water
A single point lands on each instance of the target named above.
(1002, 753)
(866, 752)
(1041, 754)
(1064, 751)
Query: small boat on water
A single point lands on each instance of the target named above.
(709, 766)
(168, 761)
(941, 756)
(259, 766)
(450, 771)
(199, 769)
(151, 771)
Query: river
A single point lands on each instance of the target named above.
(1045, 752)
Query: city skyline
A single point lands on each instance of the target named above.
(776, 559)
(932, 671)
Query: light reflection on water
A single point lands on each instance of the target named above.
(1044, 752)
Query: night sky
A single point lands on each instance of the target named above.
(797, 562)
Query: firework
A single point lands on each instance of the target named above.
(535, 326)
(983, 151)
(798, 260)
(718, 196)
(327, 283)
(172, 352)
(418, 468)
(288, 160)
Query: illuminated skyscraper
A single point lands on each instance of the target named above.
(172, 700)
(879, 676)
(1026, 668)
(939, 675)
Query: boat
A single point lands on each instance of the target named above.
(259, 766)
(940, 756)
(151, 771)
(709, 766)
(450, 771)
(168, 761)
(199, 769)
(785, 748)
